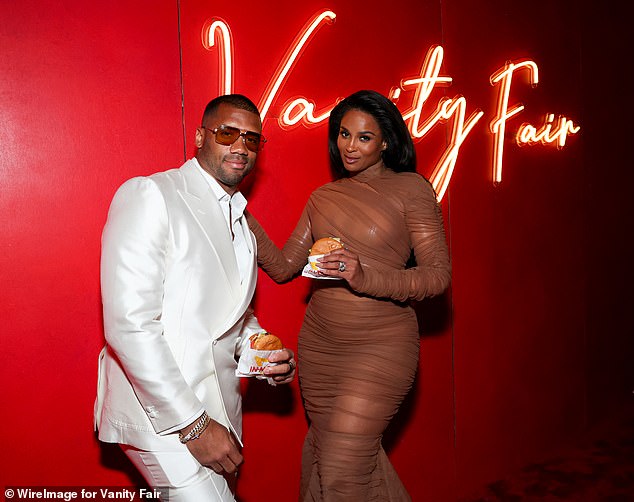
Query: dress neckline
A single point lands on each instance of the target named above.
(370, 173)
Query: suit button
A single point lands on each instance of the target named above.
(151, 412)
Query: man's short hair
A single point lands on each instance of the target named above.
(235, 100)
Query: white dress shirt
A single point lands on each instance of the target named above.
(233, 207)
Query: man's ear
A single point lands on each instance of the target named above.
(199, 139)
(384, 146)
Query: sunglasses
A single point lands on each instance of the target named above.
(227, 135)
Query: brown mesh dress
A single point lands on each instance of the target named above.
(358, 350)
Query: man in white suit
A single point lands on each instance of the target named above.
(178, 273)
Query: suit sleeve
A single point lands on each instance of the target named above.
(134, 246)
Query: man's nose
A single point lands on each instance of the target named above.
(239, 146)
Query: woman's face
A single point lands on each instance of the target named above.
(360, 141)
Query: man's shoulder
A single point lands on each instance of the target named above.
(164, 180)
(175, 173)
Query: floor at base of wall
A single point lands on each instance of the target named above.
(599, 468)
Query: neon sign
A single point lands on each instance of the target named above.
(300, 110)
(527, 134)
(448, 110)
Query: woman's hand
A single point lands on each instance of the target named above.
(342, 263)
(284, 370)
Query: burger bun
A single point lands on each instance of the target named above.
(265, 341)
(325, 245)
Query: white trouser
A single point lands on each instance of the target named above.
(187, 480)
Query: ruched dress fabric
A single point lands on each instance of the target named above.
(358, 350)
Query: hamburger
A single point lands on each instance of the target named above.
(265, 341)
(325, 245)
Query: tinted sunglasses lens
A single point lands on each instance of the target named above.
(227, 135)
(253, 141)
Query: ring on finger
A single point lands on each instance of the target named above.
(291, 364)
(342, 266)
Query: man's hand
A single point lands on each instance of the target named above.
(215, 448)
(284, 369)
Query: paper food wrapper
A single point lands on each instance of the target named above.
(252, 362)
(312, 270)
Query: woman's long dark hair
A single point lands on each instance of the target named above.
(399, 155)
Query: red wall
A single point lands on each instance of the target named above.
(516, 358)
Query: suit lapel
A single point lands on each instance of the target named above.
(248, 285)
(206, 211)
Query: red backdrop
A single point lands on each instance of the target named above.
(516, 358)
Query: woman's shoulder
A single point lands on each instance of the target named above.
(406, 183)
(319, 190)
(323, 192)
(328, 187)
(412, 183)
(407, 176)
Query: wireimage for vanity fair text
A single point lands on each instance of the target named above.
(96, 493)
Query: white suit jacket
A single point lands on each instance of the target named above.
(175, 314)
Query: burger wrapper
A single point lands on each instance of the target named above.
(312, 270)
(252, 362)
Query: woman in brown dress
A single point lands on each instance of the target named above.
(359, 343)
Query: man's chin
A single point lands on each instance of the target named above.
(232, 182)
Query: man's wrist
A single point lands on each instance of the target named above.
(194, 432)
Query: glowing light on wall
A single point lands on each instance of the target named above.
(441, 175)
(527, 134)
(289, 60)
(425, 84)
(452, 112)
(225, 40)
(547, 134)
(301, 110)
(498, 125)
(446, 110)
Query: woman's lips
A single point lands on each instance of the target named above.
(350, 160)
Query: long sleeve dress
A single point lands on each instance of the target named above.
(358, 350)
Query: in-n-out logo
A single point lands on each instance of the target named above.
(452, 112)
